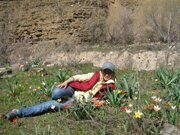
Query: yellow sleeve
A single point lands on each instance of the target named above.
(83, 77)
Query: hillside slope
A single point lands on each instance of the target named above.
(36, 29)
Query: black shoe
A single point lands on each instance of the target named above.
(12, 114)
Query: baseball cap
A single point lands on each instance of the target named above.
(108, 65)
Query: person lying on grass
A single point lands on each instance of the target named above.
(82, 88)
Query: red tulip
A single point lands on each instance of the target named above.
(124, 108)
(66, 106)
(42, 95)
(14, 120)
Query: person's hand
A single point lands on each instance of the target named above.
(63, 85)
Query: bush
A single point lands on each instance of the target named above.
(119, 26)
(158, 20)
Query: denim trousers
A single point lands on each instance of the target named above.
(65, 94)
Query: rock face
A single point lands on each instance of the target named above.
(145, 60)
(25, 25)
(35, 21)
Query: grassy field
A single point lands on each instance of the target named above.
(142, 103)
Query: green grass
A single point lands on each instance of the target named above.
(108, 119)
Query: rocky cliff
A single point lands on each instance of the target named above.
(24, 25)
(46, 29)
(35, 21)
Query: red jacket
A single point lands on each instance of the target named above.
(87, 85)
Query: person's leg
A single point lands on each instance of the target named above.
(49, 106)
(67, 96)
(62, 93)
(38, 109)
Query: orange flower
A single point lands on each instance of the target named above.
(153, 102)
(146, 107)
(167, 104)
(151, 105)
(98, 103)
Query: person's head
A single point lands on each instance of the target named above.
(108, 70)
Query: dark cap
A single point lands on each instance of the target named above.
(108, 65)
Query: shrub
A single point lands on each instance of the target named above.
(158, 20)
(119, 26)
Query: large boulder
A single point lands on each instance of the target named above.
(170, 130)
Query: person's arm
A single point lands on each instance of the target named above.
(65, 83)
(83, 77)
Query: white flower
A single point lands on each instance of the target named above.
(173, 107)
(128, 111)
(136, 93)
(49, 65)
(130, 105)
(43, 83)
(34, 89)
(157, 108)
(53, 107)
(158, 100)
(153, 97)
(135, 98)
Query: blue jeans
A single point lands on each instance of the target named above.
(65, 94)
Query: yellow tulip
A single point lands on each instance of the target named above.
(137, 114)
(59, 100)
(119, 91)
